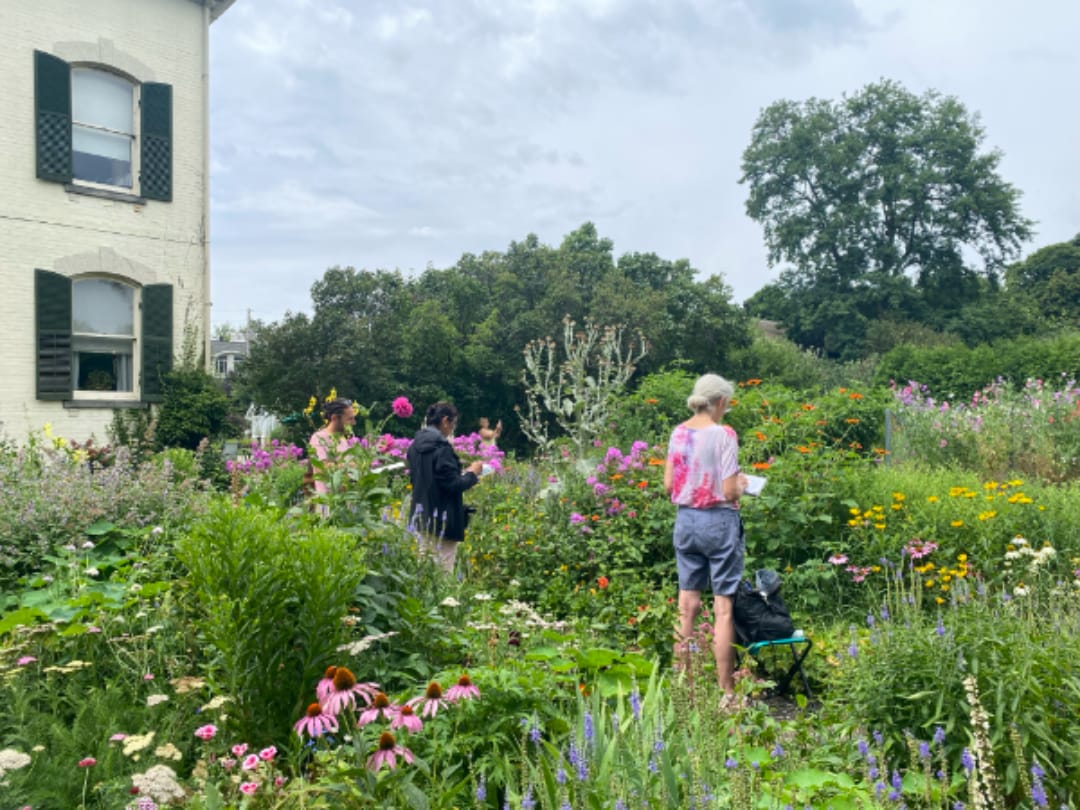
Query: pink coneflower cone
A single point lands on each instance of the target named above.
(407, 718)
(464, 689)
(315, 722)
(343, 692)
(430, 702)
(388, 752)
(380, 705)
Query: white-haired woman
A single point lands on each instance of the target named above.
(703, 478)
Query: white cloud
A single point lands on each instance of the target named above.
(382, 134)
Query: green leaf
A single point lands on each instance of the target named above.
(23, 616)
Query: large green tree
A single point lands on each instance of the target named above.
(880, 200)
(1050, 279)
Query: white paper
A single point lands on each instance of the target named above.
(754, 484)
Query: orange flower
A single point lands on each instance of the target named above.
(855, 395)
(808, 407)
(642, 484)
(853, 421)
(760, 465)
(803, 449)
(603, 582)
(656, 462)
(760, 436)
(651, 401)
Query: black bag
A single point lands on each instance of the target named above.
(760, 612)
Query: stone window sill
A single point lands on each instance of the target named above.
(97, 404)
(104, 194)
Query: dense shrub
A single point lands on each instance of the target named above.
(956, 372)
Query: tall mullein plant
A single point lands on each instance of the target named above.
(574, 389)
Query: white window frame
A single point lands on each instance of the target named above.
(136, 134)
(135, 337)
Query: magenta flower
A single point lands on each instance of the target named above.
(268, 754)
(239, 749)
(406, 717)
(26, 659)
(577, 517)
(430, 702)
(464, 689)
(388, 752)
(206, 732)
(838, 559)
(149, 676)
(342, 691)
(250, 763)
(248, 788)
(118, 737)
(402, 408)
(88, 762)
(315, 722)
(380, 704)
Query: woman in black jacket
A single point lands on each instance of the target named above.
(437, 511)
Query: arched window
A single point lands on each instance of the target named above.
(102, 127)
(103, 335)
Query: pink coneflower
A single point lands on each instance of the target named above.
(838, 559)
(388, 753)
(431, 701)
(315, 722)
(26, 659)
(343, 692)
(88, 762)
(119, 736)
(239, 749)
(326, 685)
(464, 689)
(380, 704)
(268, 753)
(248, 788)
(206, 732)
(406, 717)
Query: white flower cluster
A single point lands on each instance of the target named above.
(357, 647)
(528, 616)
(12, 760)
(159, 782)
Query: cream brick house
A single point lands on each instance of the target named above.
(104, 198)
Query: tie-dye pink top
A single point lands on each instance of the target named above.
(701, 458)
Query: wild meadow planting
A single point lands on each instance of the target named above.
(167, 643)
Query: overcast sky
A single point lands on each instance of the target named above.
(389, 134)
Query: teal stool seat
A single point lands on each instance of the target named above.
(798, 655)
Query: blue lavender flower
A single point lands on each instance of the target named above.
(967, 761)
(560, 776)
(879, 738)
(958, 806)
(940, 628)
(853, 650)
(620, 804)
(869, 619)
(939, 735)
(590, 732)
(884, 613)
(1036, 771)
(635, 704)
(862, 746)
(527, 801)
(731, 762)
(534, 734)
(924, 751)
(654, 766)
(481, 790)
(778, 750)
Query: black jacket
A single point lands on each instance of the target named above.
(437, 484)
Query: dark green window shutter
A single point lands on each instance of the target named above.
(155, 135)
(52, 298)
(157, 332)
(52, 117)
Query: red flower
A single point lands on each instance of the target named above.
(603, 582)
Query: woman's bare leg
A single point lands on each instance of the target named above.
(723, 637)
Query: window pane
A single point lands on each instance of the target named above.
(102, 307)
(103, 364)
(103, 100)
(101, 157)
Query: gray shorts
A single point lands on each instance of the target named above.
(709, 549)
